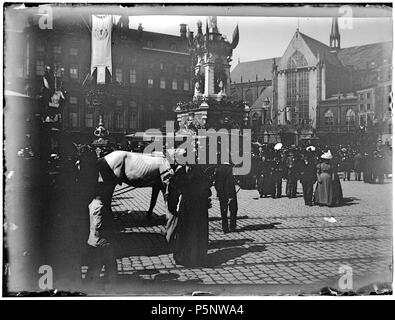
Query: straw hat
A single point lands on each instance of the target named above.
(278, 146)
(327, 155)
(310, 148)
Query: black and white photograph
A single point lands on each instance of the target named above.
(197, 150)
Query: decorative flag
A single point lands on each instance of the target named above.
(235, 38)
(101, 46)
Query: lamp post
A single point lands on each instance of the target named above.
(246, 114)
(265, 108)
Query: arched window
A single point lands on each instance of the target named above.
(329, 117)
(350, 117)
(297, 60)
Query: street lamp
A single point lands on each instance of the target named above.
(246, 113)
(265, 108)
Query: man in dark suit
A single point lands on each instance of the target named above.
(226, 192)
(278, 173)
(308, 176)
(291, 170)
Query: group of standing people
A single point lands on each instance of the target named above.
(306, 166)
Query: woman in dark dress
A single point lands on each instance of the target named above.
(189, 200)
(265, 184)
(328, 191)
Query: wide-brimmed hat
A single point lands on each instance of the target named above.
(278, 146)
(310, 148)
(327, 155)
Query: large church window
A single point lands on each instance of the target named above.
(297, 60)
(350, 117)
(329, 118)
(298, 89)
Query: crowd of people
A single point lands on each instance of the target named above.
(273, 163)
(319, 169)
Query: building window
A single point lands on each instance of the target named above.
(368, 95)
(40, 48)
(57, 50)
(73, 100)
(106, 120)
(118, 75)
(74, 51)
(362, 121)
(132, 75)
(329, 118)
(361, 96)
(297, 60)
(133, 105)
(132, 120)
(73, 119)
(368, 106)
(39, 67)
(174, 84)
(119, 103)
(162, 83)
(150, 83)
(74, 72)
(161, 66)
(350, 117)
(89, 120)
(186, 85)
(118, 121)
(361, 108)
(297, 90)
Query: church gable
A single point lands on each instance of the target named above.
(297, 53)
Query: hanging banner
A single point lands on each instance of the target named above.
(101, 46)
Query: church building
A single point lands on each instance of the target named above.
(316, 89)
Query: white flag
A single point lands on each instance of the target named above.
(101, 45)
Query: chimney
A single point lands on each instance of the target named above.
(183, 30)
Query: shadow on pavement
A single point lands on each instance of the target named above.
(219, 218)
(127, 219)
(217, 244)
(140, 244)
(222, 256)
(261, 226)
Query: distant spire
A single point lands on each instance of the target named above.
(334, 38)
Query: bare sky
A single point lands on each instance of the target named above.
(267, 37)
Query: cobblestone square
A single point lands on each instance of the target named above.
(280, 246)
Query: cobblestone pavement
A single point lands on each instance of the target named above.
(277, 242)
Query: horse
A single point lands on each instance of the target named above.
(138, 170)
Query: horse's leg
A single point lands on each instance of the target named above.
(154, 198)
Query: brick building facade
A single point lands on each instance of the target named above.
(151, 72)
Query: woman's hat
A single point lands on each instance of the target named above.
(278, 146)
(327, 155)
(310, 148)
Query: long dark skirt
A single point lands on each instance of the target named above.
(265, 185)
(337, 191)
(324, 191)
(328, 192)
(191, 241)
